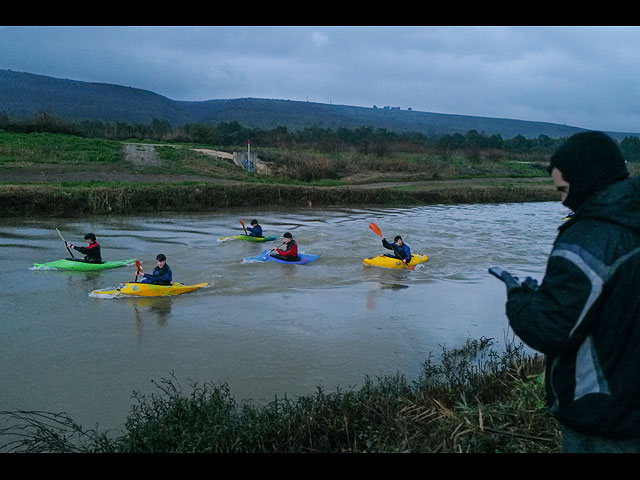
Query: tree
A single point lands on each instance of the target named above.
(160, 128)
(630, 148)
(201, 132)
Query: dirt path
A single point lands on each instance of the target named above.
(214, 153)
(53, 174)
(452, 182)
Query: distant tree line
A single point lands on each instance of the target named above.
(233, 135)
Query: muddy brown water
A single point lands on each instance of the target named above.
(266, 329)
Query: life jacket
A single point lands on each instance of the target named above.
(291, 251)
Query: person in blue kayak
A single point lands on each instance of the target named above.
(161, 274)
(400, 249)
(255, 230)
(290, 253)
(91, 252)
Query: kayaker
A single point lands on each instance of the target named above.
(161, 274)
(401, 250)
(91, 252)
(290, 253)
(255, 230)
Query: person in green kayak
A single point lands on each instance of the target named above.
(91, 252)
(400, 249)
(161, 274)
(255, 230)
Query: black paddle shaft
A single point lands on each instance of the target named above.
(65, 243)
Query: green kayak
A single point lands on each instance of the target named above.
(71, 264)
(248, 238)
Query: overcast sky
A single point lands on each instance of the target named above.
(581, 76)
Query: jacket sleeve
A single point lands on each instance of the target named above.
(161, 276)
(290, 251)
(386, 244)
(545, 318)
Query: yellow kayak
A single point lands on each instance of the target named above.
(389, 262)
(150, 290)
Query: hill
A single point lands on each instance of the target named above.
(24, 94)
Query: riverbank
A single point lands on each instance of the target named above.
(125, 198)
(471, 401)
(65, 175)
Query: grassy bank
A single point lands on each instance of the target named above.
(122, 198)
(472, 400)
(47, 174)
(64, 175)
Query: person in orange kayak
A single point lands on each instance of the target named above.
(290, 253)
(91, 252)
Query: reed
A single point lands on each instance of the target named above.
(74, 200)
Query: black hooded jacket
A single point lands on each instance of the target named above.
(585, 316)
(91, 253)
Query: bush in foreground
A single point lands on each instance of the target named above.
(473, 400)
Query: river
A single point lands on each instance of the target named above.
(266, 329)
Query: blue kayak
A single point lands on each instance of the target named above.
(265, 257)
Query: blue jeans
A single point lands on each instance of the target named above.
(576, 442)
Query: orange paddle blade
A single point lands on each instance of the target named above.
(375, 229)
(241, 223)
(139, 265)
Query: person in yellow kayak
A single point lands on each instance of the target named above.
(91, 252)
(400, 249)
(161, 274)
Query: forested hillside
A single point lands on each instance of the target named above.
(24, 95)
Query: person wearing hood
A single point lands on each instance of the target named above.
(585, 315)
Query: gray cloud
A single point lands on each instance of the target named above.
(579, 76)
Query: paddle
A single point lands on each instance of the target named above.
(65, 243)
(264, 256)
(245, 230)
(139, 269)
(377, 231)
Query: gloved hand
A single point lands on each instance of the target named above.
(530, 284)
(510, 281)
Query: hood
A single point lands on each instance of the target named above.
(589, 161)
(618, 203)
